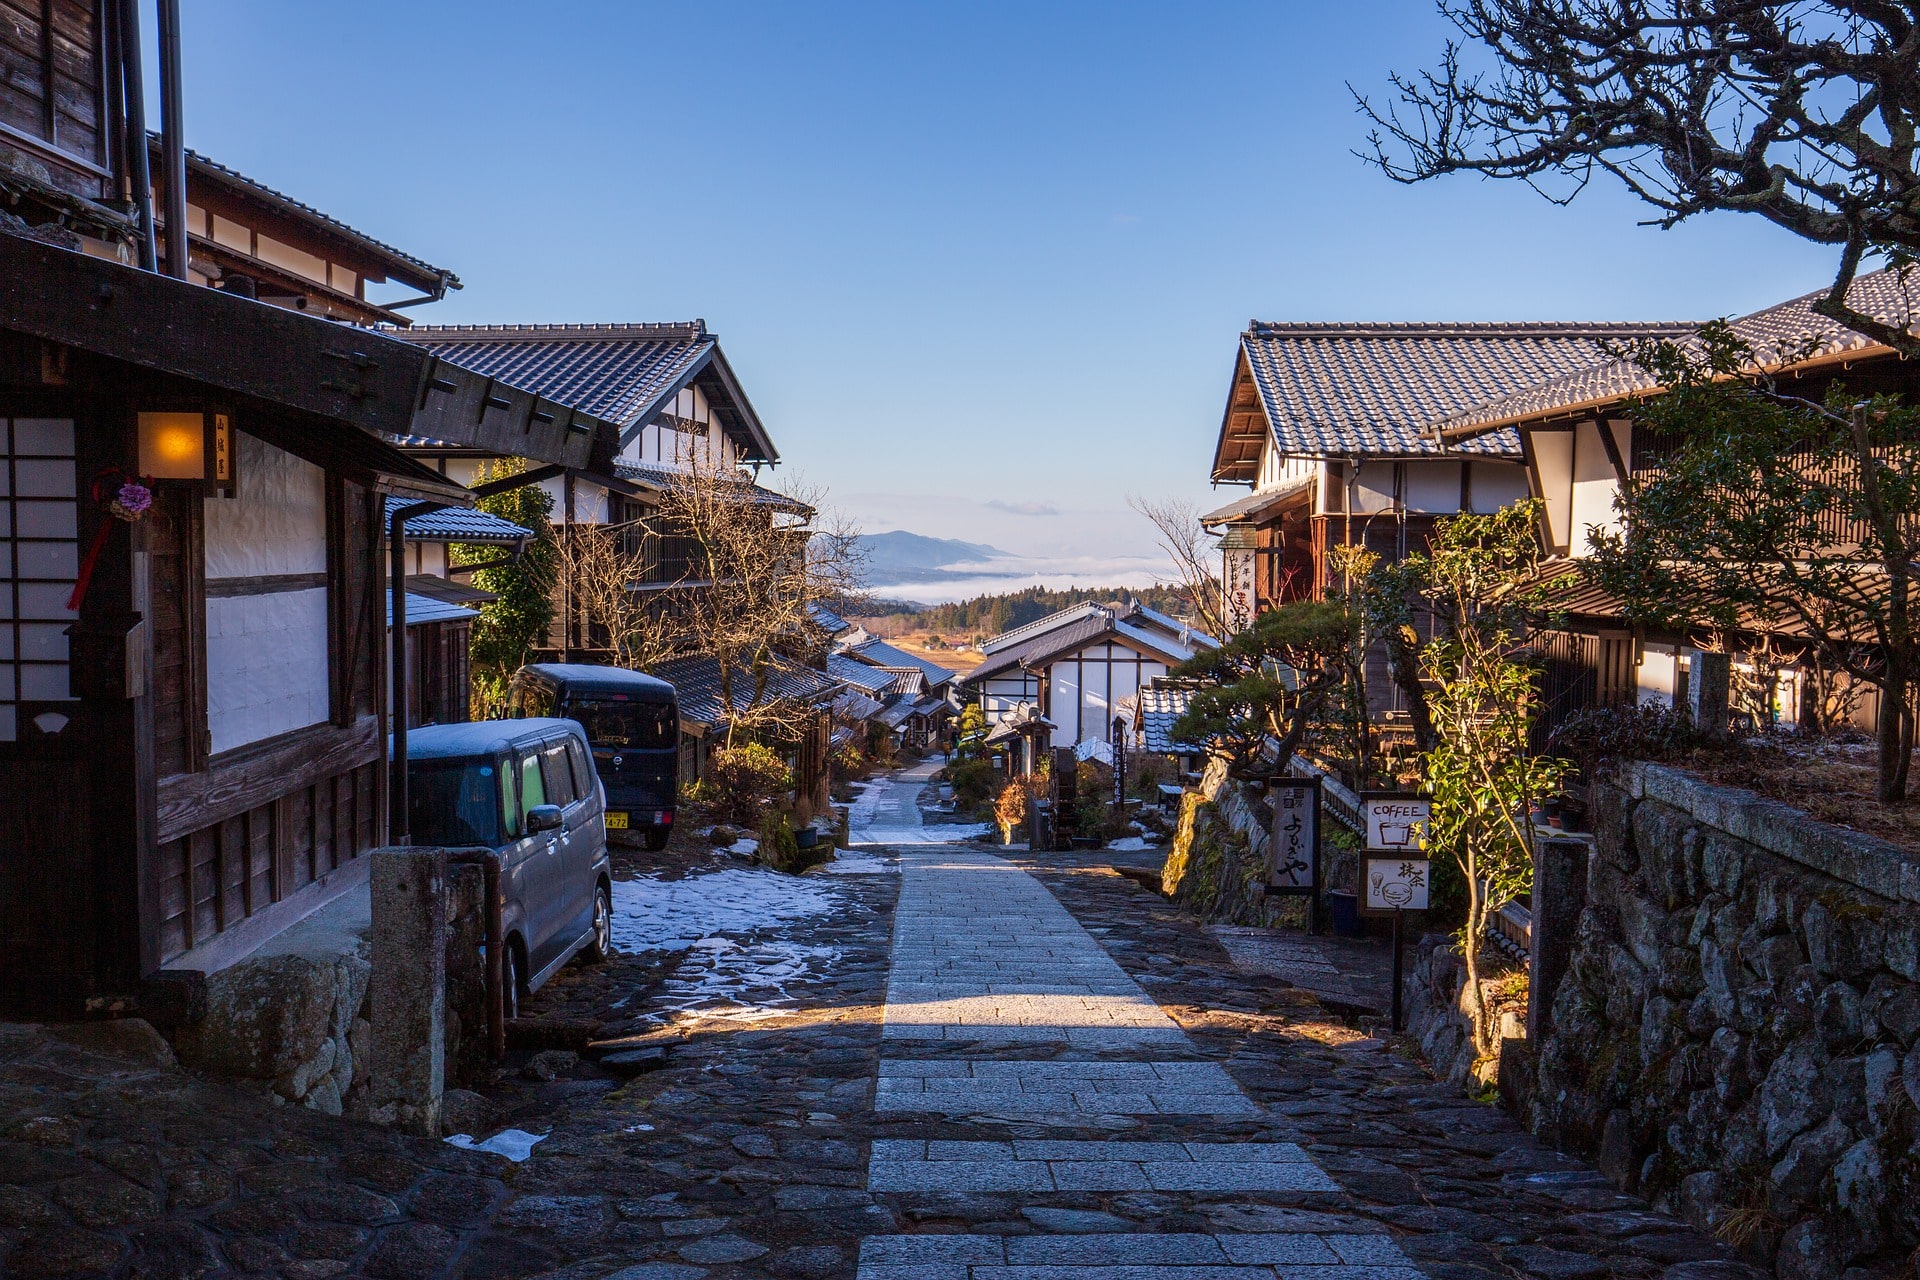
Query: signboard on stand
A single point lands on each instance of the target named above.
(1294, 856)
(1396, 884)
(1395, 822)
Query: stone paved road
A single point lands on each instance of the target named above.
(1033, 1070)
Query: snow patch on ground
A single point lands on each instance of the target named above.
(734, 976)
(1130, 844)
(515, 1144)
(651, 914)
(848, 862)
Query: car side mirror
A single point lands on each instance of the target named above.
(543, 817)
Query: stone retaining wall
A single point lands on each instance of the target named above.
(1217, 865)
(1736, 1033)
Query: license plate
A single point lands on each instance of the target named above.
(616, 822)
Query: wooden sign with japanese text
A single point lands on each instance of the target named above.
(1294, 857)
(1395, 884)
(1236, 581)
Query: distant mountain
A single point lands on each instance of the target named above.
(899, 557)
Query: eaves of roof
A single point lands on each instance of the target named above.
(1787, 335)
(403, 266)
(1260, 502)
(458, 524)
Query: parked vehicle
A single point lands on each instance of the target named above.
(633, 724)
(526, 789)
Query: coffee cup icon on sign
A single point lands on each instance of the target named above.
(1397, 835)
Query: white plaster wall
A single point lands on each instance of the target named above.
(1595, 484)
(1553, 454)
(1433, 488)
(1657, 674)
(276, 523)
(1374, 490)
(1496, 485)
(267, 652)
(266, 665)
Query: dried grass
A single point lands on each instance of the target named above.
(1832, 781)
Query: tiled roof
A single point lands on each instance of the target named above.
(1336, 389)
(877, 652)
(851, 704)
(695, 679)
(827, 620)
(220, 174)
(659, 476)
(1160, 707)
(1188, 635)
(1072, 635)
(1028, 630)
(1788, 332)
(859, 674)
(621, 372)
(909, 682)
(424, 609)
(447, 590)
(458, 524)
(1155, 633)
(1258, 502)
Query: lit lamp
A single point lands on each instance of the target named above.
(183, 446)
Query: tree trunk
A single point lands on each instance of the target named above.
(1403, 661)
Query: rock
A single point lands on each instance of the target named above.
(1836, 1016)
(808, 1262)
(1714, 1269)
(411, 1250)
(131, 1038)
(171, 1251)
(1617, 1158)
(548, 1064)
(1807, 1252)
(1074, 1221)
(657, 1271)
(722, 1248)
(801, 1199)
(454, 1200)
(1774, 958)
(1860, 1190)
(1544, 1263)
(345, 1202)
(106, 1200)
(464, 1111)
(63, 1252)
(1803, 1170)
(570, 1217)
(633, 1062)
(757, 1145)
(1703, 1200)
(1731, 1066)
(1895, 1007)
(1795, 1096)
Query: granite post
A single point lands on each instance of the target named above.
(1559, 896)
(1709, 684)
(409, 943)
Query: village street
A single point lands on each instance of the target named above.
(930, 1062)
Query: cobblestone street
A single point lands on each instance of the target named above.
(937, 1063)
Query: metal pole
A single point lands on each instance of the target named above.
(1398, 917)
(397, 822)
(139, 162)
(173, 146)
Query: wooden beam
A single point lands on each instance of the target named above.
(190, 802)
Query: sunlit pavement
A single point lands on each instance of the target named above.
(932, 1062)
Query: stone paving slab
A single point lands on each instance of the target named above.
(1103, 1256)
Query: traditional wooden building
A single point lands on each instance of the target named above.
(1326, 424)
(1579, 448)
(1081, 668)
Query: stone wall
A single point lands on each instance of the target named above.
(1736, 1033)
(1217, 865)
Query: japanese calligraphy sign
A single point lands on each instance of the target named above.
(1294, 856)
(1396, 884)
(1396, 823)
(1236, 578)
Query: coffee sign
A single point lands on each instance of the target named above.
(1396, 823)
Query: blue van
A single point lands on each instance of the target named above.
(633, 723)
(527, 790)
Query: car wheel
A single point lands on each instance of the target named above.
(511, 982)
(657, 840)
(601, 945)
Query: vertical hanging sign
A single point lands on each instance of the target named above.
(1294, 857)
(1236, 577)
(1119, 744)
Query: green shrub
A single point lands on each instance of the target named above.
(974, 782)
(779, 848)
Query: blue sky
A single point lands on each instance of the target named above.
(959, 255)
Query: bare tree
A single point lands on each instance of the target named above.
(1192, 551)
(1804, 113)
(760, 563)
(601, 568)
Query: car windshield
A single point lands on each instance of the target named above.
(634, 726)
(454, 802)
